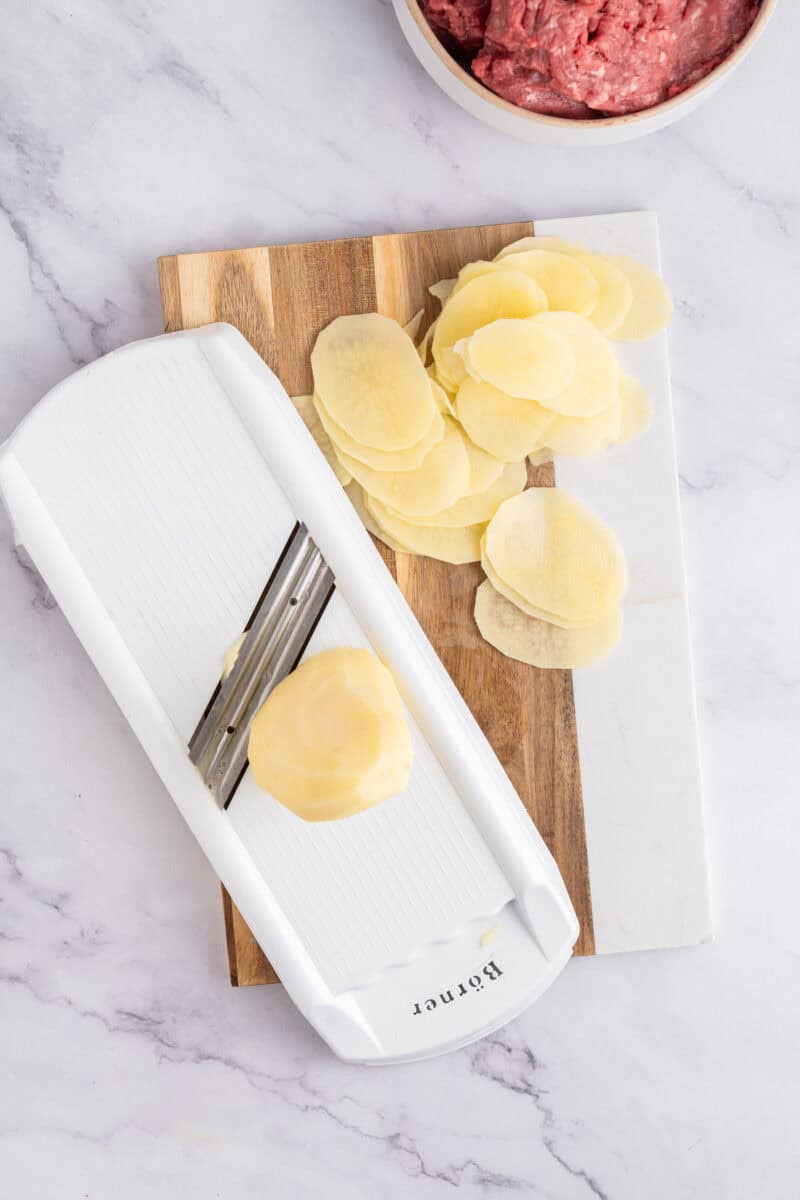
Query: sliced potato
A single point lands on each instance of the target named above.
(478, 507)
(474, 270)
(451, 544)
(442, 289)
(442, 397)
(561, 558)
(355, 494)
(614, 293)
(441, 478)
(332, 738)
(504, 425)
(486, 299)
(484, 468)
(380, 460)
(411, 328)
(423, 347)
(582, 436)
(541, 614)
(371, 381)
(307, 410)
(568, 283)
(636, 408)
(595, 384)
(651, 309)
(522, 358)
(522, 245)
(538, 643)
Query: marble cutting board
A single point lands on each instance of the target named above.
(605, 760)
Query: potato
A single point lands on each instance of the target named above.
(503, 294)
(332, 738)
(541, 614)
(441, 478)
(380, 460)
(306, 409)
(568, 284)
(484, 468)
(372, 383)
(636, 408)
(504, 425)
(522, 358)
(651, 309)
(582, 436)
(451, 544)
(477, 507)
(355, 494)
(411, 328)
(538, 643)
(441, 289)
(443, 399)
(595, 384)
(557, 555)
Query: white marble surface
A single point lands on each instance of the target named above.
(128, 1067)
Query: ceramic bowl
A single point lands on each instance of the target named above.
(561, 131)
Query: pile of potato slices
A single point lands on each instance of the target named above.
(432, 441)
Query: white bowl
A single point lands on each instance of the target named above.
(562, 131)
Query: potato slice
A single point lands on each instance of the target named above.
(538, 643)
(371, 381)
(307, 410)
(423, 347)
(474, 270)
(484, 468)
(651, 309)
(380, 460)
(582, 436)
(442, 397)
(568, 284)
(438, 482)
(478, 507)
(355, 494)
(502, 294)
(636, 408)
(332, 738)
(523, 358)
(504, 425)
(532, 610)
(552, 550)
(450, 544)
(595, 384)
(411, 328)
(442, 289)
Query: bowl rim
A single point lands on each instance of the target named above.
(483, 93)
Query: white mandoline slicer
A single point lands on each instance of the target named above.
(166, 494)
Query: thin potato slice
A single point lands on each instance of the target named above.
(636, 408)
(503, 294)
(484, 468)
(438, 482)
(450, 544)
(380, 460)
(355, 494)
(307, 410)
(568, 284)
(332, 738)
(424, 345)
(523, 358)
(538, 643)
(411, 328)
(522, 245)
(504, 425)
(595, 384)
(541, 614)
(371, 381)
(479, 507)
(651, 309)
(474, 270)
(582, 436)
(441, 289)
(442, 397)
(559, 556)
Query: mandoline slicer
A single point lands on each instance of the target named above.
(171, 498)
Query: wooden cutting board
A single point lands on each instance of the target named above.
(280, 297)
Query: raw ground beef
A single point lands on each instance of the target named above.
(589, 58)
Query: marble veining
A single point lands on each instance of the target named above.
(129, 1068)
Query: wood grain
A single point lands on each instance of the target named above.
(280, 297)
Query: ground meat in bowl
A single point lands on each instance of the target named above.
(589, 58)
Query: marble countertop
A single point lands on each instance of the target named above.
(130, 1069)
